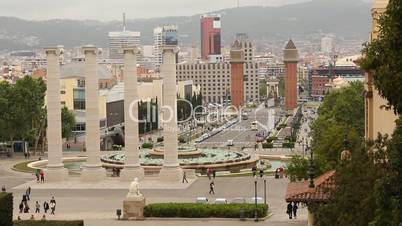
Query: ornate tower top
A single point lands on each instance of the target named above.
(290, 53)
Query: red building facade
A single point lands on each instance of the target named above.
(210, 36)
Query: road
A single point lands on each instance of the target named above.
(241, 132)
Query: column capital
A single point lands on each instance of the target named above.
(129, 49)
(91, 49)
(170, 48)
(57, 50)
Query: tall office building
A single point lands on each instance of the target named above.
(290, 58)
(164, 35)
(210, 35)
(118, 39)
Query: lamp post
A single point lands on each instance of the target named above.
(255, 200)
(265, 190)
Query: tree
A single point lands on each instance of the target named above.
(67, 122)
(383, 56)
(297, 168)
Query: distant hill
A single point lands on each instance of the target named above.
(342, 17)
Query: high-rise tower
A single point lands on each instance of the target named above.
(164, 35)
(210, 36)
(290, 58)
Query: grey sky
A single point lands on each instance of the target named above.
(112, 9)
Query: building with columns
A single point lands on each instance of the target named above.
(377, 118)
(290, 58)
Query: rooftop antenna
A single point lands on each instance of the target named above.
(124, 21)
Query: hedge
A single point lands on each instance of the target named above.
(200, 210)
(270, 139)
(267, 145)
(147, 145)
(159, 139)
(288, 145)
(48, 223)
(6, 209)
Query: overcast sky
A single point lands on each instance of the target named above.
(112, 9)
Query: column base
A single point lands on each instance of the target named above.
(56, 173)
(93, 173)
(128, 173)
(171, 174)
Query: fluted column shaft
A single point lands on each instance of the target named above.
(131, 108)
(92, 138)
(168, 70)
(53, 108)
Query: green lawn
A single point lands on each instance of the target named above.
(23, 167)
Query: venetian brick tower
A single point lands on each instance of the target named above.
(290, 58)
(237, 74)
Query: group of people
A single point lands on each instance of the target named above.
(40, 176)
(47, 206)
(211, 173)
(291, 210)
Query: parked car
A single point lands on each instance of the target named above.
(221, 201)
(203, 200)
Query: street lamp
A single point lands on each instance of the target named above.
(255, 200)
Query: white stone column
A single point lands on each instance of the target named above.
(132, 168)
(55, 168)
(171, 170)
(93, 170)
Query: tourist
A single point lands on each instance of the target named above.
(184, 177)
(45, 206)
(52, 207)
(28, 193)
(254, 170)
(43, 217)
(209, 173)
(3, 189)
(289, 210)
(213, 174)
(21, 206)
(211, 188)
(37, 176)
(37, 207)
(32, 217)
(53, 200)
(26, 208)
(42, 176)
(295, 210)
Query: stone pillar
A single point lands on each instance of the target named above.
(93, 170)
(171, 170)
(132, 168)
(310, 218)
(55, 168)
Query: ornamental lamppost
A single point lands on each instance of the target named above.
(255, 200)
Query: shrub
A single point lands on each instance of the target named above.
(267, 145)
(270, 139)
(147, 145)
(199, 210)
(288, 145)
(181, 140)
(48, 223)
(159, 139)
(6, 209)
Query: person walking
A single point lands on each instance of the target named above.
(295, 210)
(42, 176)
(37, 207)
(28, 193)
(37, 176)
(52, 207)
(3, 189)
(211, 188)
(209, 173)
(213, 174)
(26, 208)
(289, 210)
(184, 177)
(21, 207)
(53, 200)
(45, 206)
